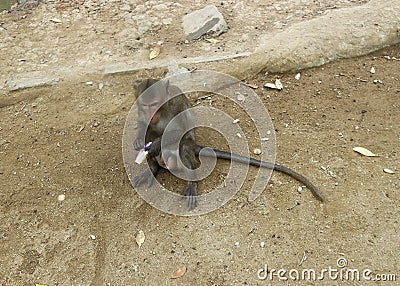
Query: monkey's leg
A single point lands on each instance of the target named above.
(148, 175)
(190, 160)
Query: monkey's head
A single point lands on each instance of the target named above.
(151, 97)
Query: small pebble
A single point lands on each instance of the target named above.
(262, 244)
(257, 151)
(61, 197)
(244, 38)
(92, 237)
(300, 189)
(237, 244)
(235, 121)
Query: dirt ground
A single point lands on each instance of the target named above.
(66, 139)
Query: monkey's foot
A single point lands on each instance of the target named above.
(138, 144)
(190, 192)
(146, 176)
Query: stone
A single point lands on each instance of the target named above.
(204, 21)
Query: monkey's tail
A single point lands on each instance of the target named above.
(258, 163)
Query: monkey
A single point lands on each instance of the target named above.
(157, 106)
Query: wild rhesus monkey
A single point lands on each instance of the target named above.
(158, 105)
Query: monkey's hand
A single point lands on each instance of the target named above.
(138, 144)
(155, 148)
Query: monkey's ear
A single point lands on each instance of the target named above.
(140, 86)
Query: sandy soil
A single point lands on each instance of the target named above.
(66, 139)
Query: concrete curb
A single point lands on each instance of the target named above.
(342, 33)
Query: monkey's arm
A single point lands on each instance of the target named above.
(140, 138)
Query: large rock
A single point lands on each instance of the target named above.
(204, 21)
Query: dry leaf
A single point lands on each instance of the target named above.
(212, 41)
(388, 171)
(253, 86)
(364, 152)
(270, 85)
(155, 52)
(278, 84)
(140, 237)
(179, 272)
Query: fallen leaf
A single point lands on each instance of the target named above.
(212, 41)
(364, 152)
(388, 171)
(140, 237)
(278, 84)
(179, 272)
(270, 85)
(81, 128)
(55, 20)
(155, 52)
(253, 86)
